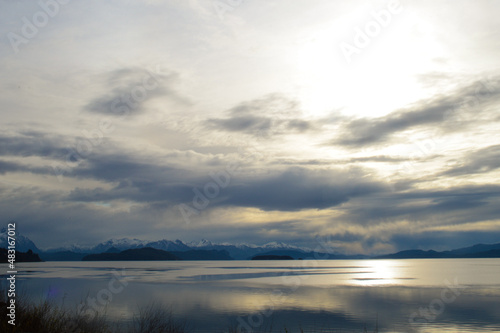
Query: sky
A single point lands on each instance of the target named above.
(368, 126)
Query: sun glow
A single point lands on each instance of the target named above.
(383, 77)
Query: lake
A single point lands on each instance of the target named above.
(417, 295)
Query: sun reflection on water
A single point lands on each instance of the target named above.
(378, 272)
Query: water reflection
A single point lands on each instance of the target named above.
(315, 296)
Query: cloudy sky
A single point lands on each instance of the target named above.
(370, 126)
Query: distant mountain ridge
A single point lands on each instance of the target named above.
(235, 251)
(475, 251)
(271, 257)
(207, 250)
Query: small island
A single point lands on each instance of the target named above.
(28, 256)
(271, 257)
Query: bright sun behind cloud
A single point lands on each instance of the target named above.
(380, 79)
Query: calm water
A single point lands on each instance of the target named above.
(440, 295)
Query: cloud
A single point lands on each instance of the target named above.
(145, 178)
(452, 205)
(298, 188)
(292, 189)
(164, 181)
(377, 158)
(20, 146)
(433, 79)
(248, 124)
(157, 183)
(444, 112)
(271, 115)
(8, 167)
(329, 162)
(128, 90)
(480, 161)
(36, 152)
(32, 143)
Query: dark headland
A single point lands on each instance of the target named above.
(272, 257)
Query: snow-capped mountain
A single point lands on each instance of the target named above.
(202, 243)
(126, 244)
(279, 245)
(167, 245)
(23, 243)
(236, 251)
(121, 244)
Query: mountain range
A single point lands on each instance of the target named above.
(475, 251)
(202, 250)
(206, 250)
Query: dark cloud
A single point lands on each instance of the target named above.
(453, 205)
(248, 124)
(52, 149)
(298, 188)
(271, 115)
(290, 190)
(130, 88)
(479, 161)
(119, 167)
(160, 196)
(8, 167)
(298, 125)
(147, 179)
(444, 112)
(134, 176)
(275, 105)
(32, 144)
